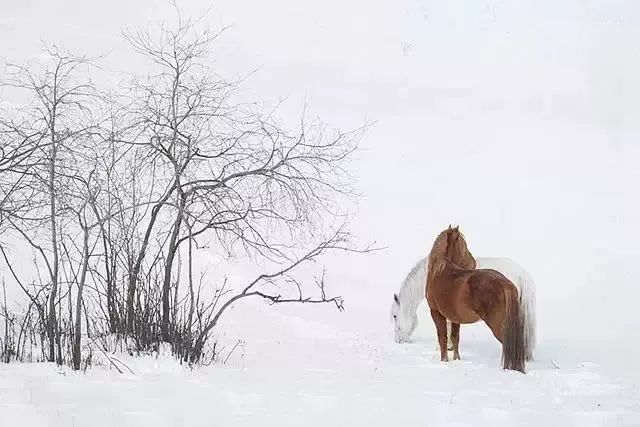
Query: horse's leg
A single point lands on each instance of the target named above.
(492, 315)
(495, 323)
(455, 339)
(441, 328)
(449, 342)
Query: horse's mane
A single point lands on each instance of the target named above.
(414, 272)
(450, 247)
(438, 255)
(413, 284)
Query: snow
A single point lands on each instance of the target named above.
(536, 102)
(318, 367)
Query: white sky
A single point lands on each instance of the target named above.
(534, 104)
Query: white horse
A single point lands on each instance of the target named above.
(412, 294)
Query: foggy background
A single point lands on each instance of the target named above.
(518, 121)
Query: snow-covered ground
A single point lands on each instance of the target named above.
(536, 105)
(297, 370)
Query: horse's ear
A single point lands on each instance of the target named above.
(395, 299)
(456, 229)
(449, 227)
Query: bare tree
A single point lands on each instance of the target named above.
(112, 193)
(235, 171)
(56, 119)
(272, 287)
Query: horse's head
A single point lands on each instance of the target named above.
(451, 246)
(404, 319)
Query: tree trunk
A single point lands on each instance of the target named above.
(52, 327)
(77, 337)
(110, 276)
(166, 285)
(191, 296)
(134, 273)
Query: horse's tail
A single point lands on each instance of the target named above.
(528, 307)
(513, 341)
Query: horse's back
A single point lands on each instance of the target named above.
(451, 295)
(487, 290)
(504, 265)
(508, 267)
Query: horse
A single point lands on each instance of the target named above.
(411, 294)
(406, 301)
(455, 290)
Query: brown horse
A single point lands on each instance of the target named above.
(456, 291)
